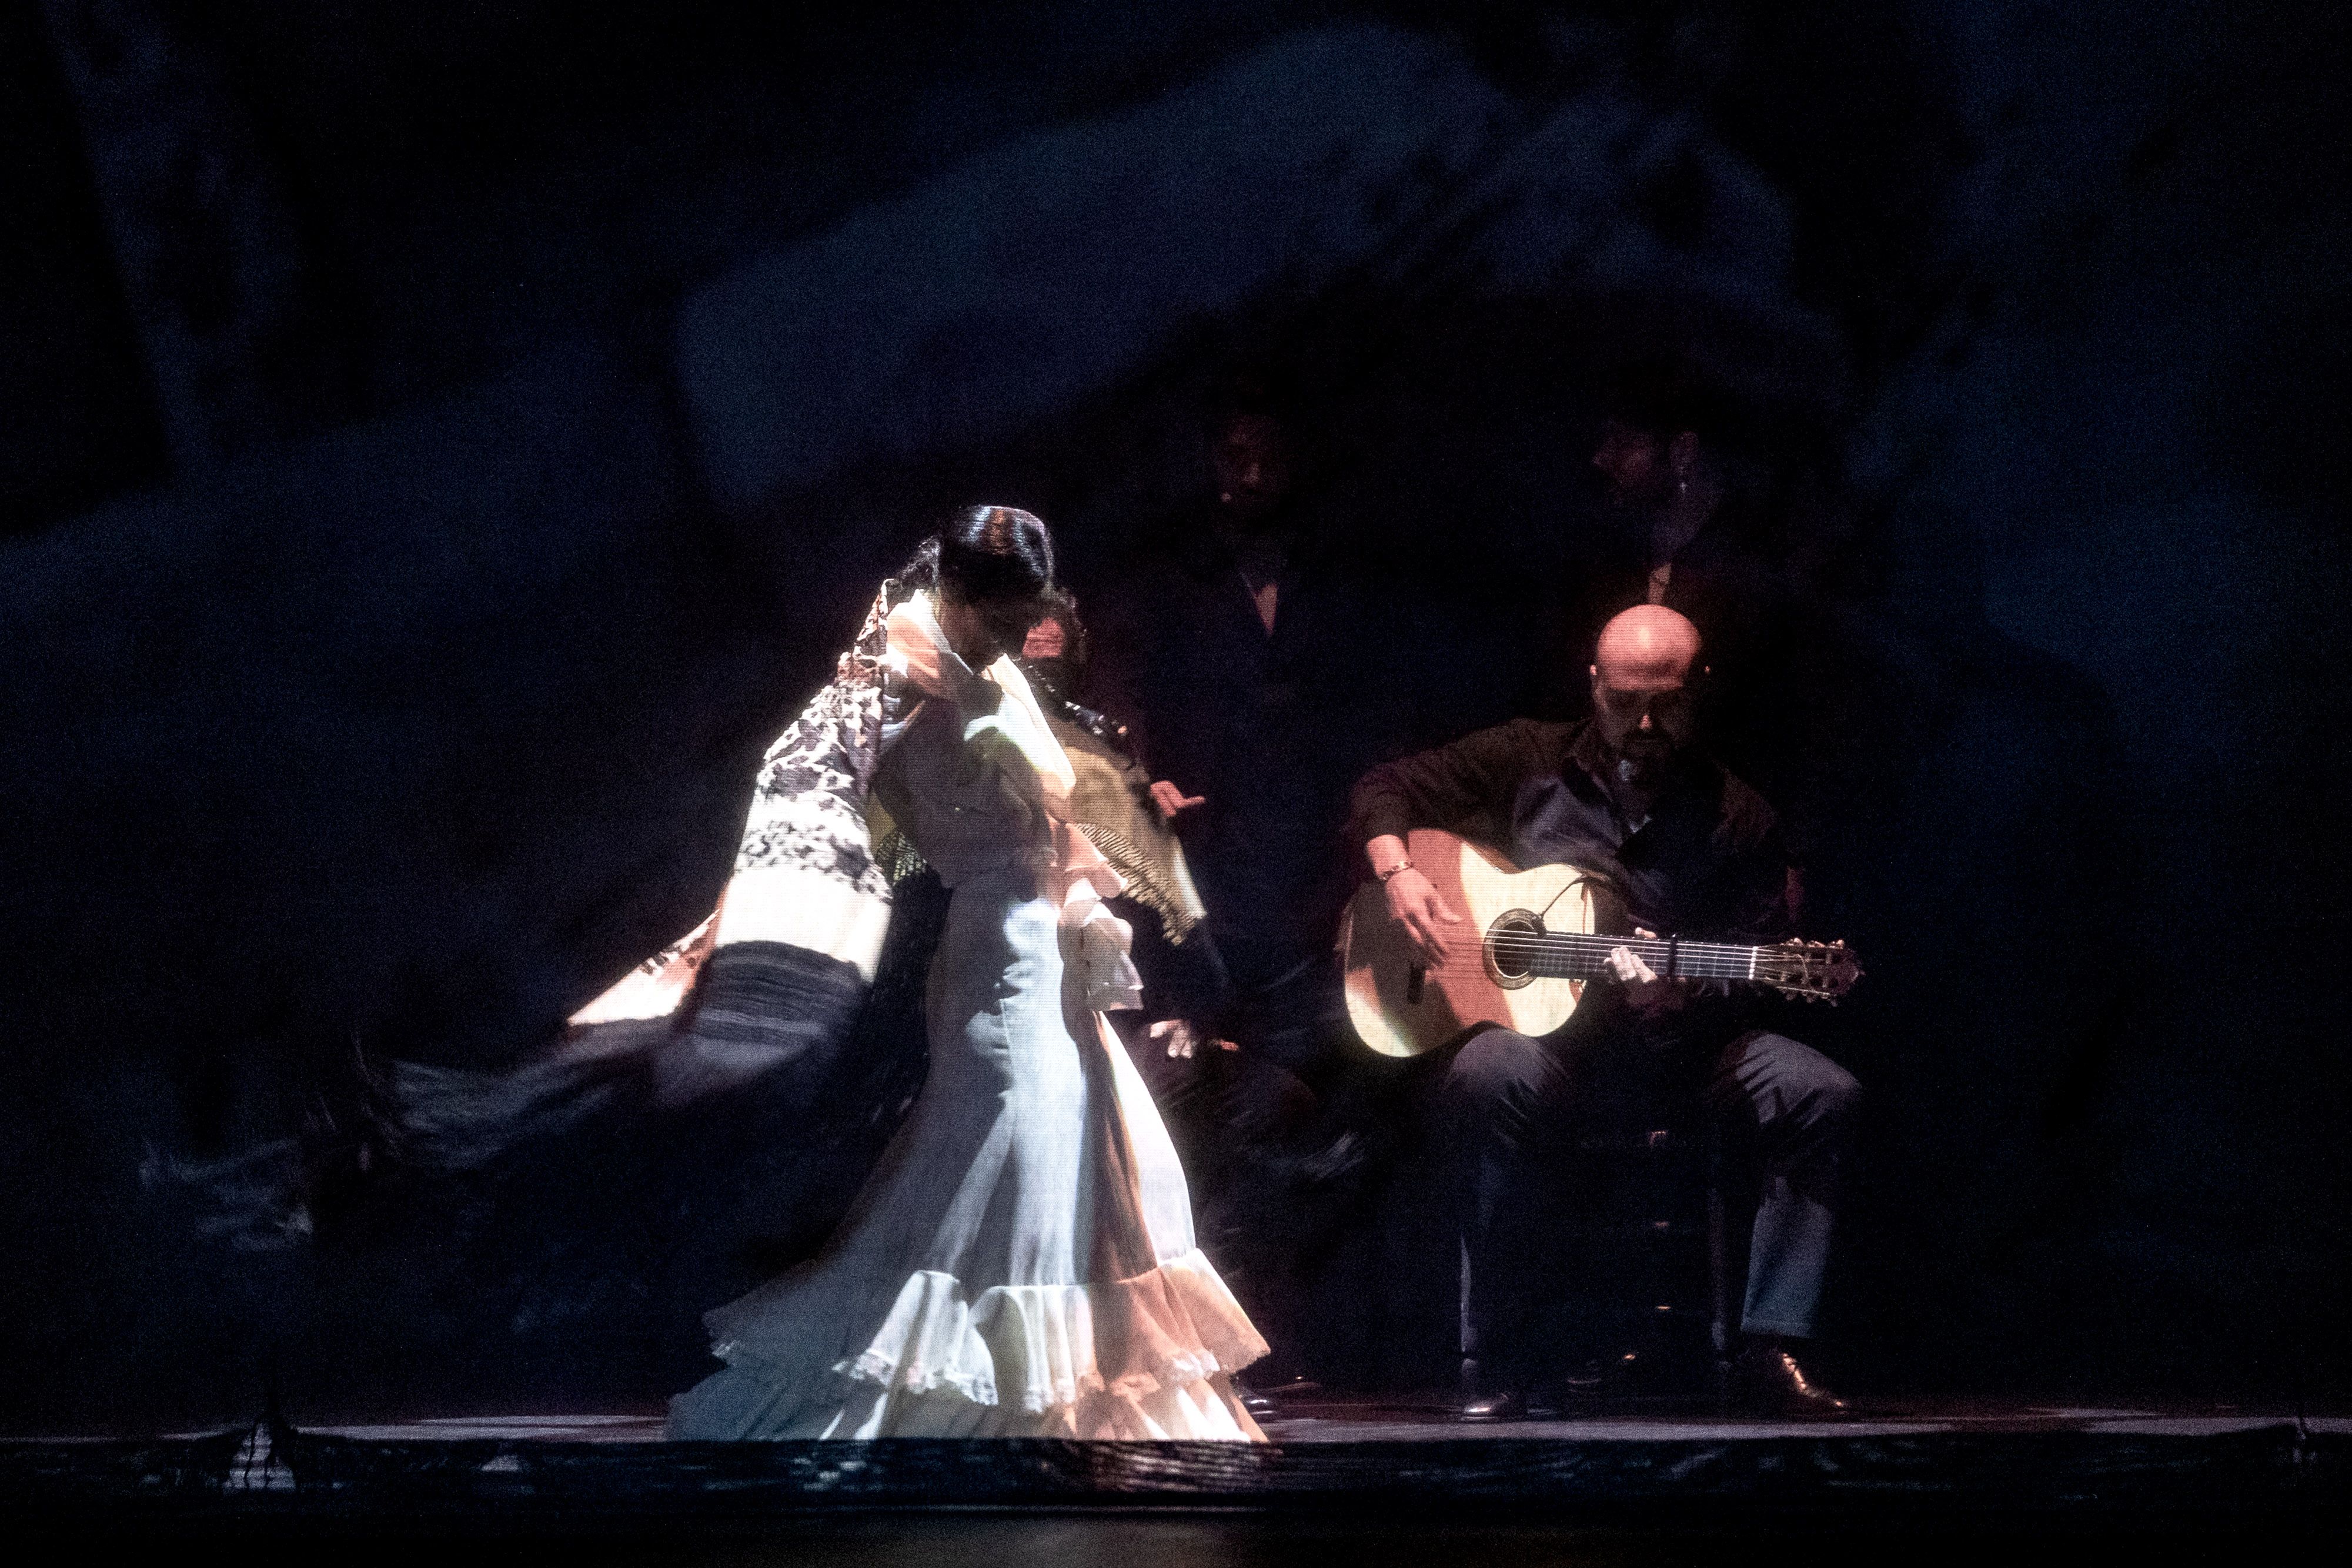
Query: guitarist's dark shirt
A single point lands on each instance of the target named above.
(1707, 863)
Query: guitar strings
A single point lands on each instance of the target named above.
(1571, 941)
(1705, 969)
(1518, 944)
(1689, 960)
(1601, 936)
(1473, 964)
(1583, 941)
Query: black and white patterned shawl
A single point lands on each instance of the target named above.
(806, 875)
(766, 991)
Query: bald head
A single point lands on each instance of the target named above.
(1646, 644)
(1640, 675)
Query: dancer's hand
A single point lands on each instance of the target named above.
(1170, 799)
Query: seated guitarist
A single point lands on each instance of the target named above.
(1630, 798)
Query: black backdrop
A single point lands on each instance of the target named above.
(443, 442)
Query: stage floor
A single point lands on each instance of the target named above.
(1365, 1419)
(1345, 1461)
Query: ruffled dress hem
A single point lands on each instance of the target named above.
(1144, 1358)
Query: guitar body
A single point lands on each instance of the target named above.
(1400, 1007)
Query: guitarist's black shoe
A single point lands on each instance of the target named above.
(1490, 1406)
(1508, 1406)
(1498, 1402)
(1265, 1402)
(1770, 1382)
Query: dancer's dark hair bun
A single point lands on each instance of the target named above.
(995, 553)
(987, 555)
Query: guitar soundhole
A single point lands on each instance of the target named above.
(1510, 949)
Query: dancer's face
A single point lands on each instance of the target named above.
(980, 632)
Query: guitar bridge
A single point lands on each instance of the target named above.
(1414, 980)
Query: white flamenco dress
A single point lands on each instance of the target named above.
(1021, 1263)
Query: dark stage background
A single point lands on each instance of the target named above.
(441, 443)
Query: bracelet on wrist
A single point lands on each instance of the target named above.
(1382, 876)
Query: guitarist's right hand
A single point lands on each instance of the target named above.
(1417, 906)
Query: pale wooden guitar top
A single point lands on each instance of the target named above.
(1525, 944)
(1468, 990)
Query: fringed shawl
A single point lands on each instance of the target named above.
(1111, 806)
(806, 872)
(768, 989)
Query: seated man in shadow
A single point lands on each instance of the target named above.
(1630, 798)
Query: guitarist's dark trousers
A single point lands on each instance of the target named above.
(1512, 1111)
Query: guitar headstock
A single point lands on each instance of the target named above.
(1816, 971)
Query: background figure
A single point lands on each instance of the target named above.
(1701, 511)
(1249, 654)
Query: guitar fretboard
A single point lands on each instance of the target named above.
(1566, 956)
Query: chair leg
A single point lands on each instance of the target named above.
(1723, 1328)
(1718, 1273)
(1466, 1338)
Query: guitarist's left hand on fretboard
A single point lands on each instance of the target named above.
(1647, 992)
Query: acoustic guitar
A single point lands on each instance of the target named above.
(1527, 943)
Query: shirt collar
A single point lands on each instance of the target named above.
(1588, 751)
(1694, 771)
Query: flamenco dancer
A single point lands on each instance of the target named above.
(1021, 1261)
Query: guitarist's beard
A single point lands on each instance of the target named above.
(1637, 777)
(1645, 747)
(1645, 763)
